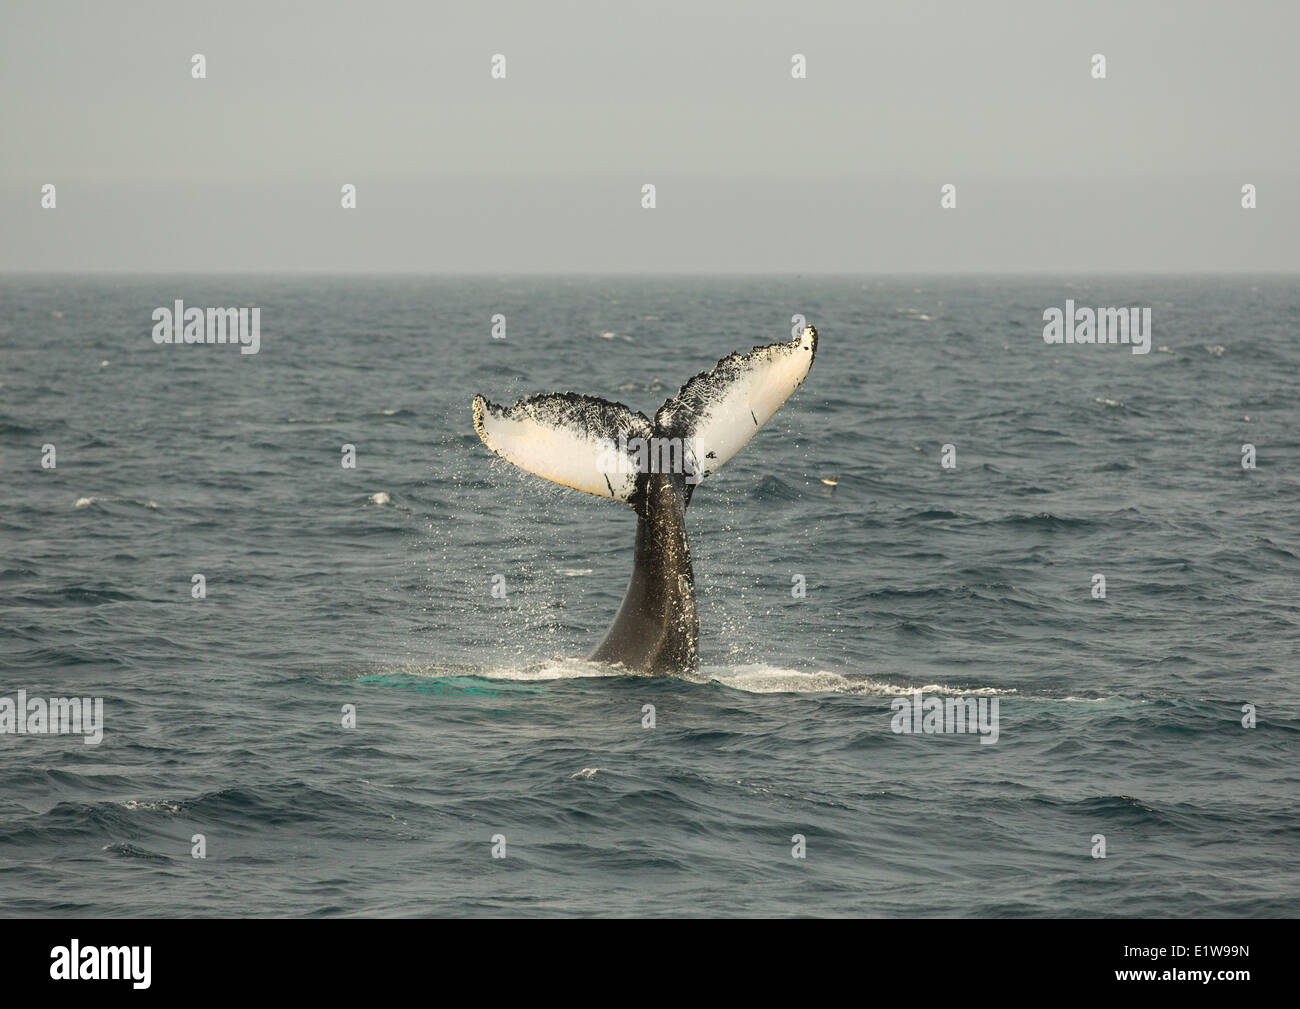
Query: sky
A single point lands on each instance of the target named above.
(754, 171)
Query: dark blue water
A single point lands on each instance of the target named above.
(476, 716)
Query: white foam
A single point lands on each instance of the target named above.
(554, 669)
(754, 679)
(86, 502)
(765, 679)
(166, 807)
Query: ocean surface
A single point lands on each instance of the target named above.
(476, 717)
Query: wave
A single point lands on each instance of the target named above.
(97, 502)
(773, 488)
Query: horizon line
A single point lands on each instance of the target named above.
(649, 273)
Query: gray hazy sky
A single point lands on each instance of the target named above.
(756, 171)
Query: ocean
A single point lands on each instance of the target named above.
(985, 479)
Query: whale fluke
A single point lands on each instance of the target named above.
(612, 451)
(721, 409)
(564, 437)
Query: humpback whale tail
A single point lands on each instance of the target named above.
(612, 451)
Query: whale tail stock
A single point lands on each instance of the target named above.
(612, 451)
